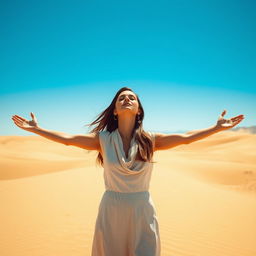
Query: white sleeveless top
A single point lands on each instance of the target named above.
(123, 174)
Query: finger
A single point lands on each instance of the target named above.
(240, 116)
(18, 122)
(237, 122)
(20, 117)
(237, 118)
(35, 119)
(14, 118)
(223, 113)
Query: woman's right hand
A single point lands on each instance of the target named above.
(25, 124)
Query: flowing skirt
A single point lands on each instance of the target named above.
(126, 225)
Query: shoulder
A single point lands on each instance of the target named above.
(104, 140)
(152, 137)
(103, 137)
(103, 134)
(151, 134)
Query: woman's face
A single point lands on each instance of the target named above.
(127, 102)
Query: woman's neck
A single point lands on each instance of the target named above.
(126, 126)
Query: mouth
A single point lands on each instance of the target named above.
(126, 104)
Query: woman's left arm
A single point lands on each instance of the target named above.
(221, 125)
(167, 141)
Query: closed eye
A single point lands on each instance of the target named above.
(131, 97)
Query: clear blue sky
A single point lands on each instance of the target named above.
(187, 60)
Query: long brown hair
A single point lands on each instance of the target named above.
(106, 120)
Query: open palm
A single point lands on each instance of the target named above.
(24, 123)
(224, 124)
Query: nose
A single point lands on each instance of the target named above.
(126, 99)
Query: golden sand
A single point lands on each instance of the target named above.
(204, 193)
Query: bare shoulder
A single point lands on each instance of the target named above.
(167, 141)
(88, 141)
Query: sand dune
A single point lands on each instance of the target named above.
(34, 155)
(204, 193)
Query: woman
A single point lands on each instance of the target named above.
(126, 224)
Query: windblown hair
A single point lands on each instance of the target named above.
(105, 120)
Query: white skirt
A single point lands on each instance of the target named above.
(126, 225)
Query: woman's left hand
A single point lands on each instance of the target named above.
(223, 124)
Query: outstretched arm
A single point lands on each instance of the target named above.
(87, 141)
(167, 141)
(221, 125)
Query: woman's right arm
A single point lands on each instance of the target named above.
(87, 141)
